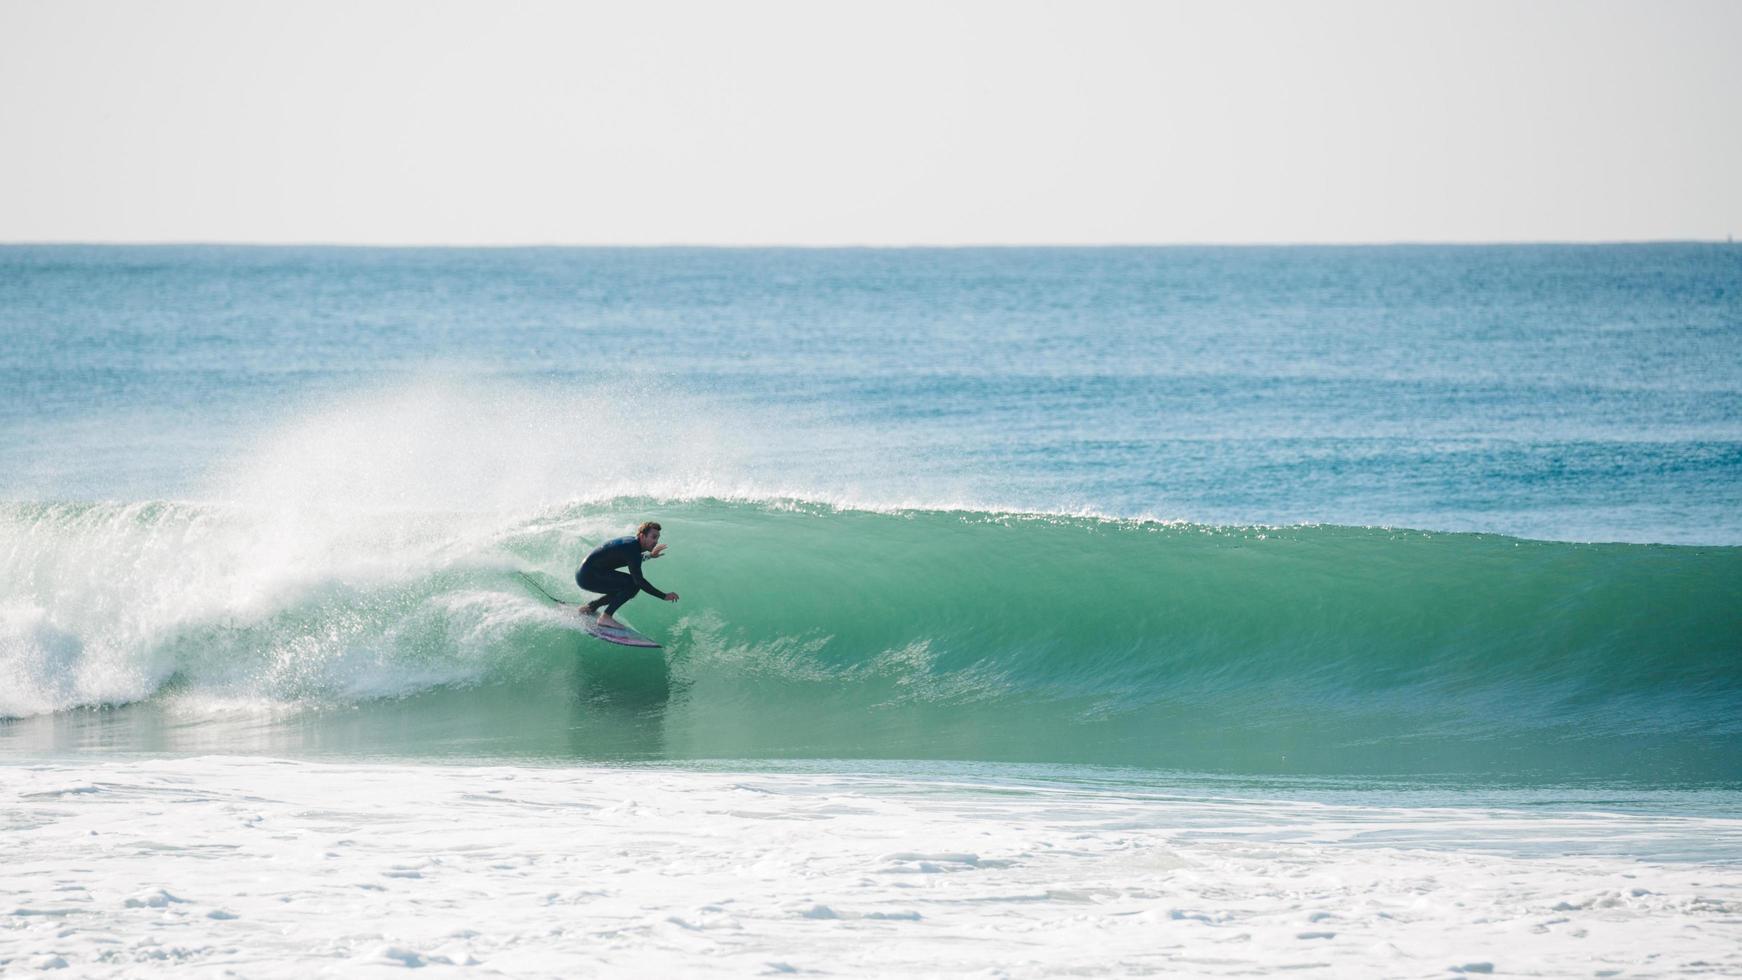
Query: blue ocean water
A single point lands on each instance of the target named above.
(1585, 393)
(1319, 510)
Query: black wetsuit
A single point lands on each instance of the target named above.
(599, 573)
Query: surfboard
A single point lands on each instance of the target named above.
(624, 636)
(589, 622)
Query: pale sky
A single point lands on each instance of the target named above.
(868, 122)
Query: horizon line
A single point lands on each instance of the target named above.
(869, 246)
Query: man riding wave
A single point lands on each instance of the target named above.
(599, 573)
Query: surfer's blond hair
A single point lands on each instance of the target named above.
(647, 526)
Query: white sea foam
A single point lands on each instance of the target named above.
(275, 868)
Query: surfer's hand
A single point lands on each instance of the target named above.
(671, 597)
(658, 549)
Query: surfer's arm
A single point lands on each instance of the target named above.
(641, 580)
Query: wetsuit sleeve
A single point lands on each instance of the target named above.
(635, 573)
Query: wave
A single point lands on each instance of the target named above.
(814, 630)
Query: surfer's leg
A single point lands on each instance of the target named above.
(615, 600)
(590, 584)
(618, 588)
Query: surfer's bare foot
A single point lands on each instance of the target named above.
(609, 623)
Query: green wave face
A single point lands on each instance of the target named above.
(811, 632)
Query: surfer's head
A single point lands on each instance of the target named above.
(647, 535)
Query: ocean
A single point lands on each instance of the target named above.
(1347, 610)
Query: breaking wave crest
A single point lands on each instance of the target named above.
(813, 630)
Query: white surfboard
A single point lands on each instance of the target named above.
(622, 636)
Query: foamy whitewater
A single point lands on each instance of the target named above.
(278, 868)
(1355, 612)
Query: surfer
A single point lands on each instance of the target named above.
(599, 573)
